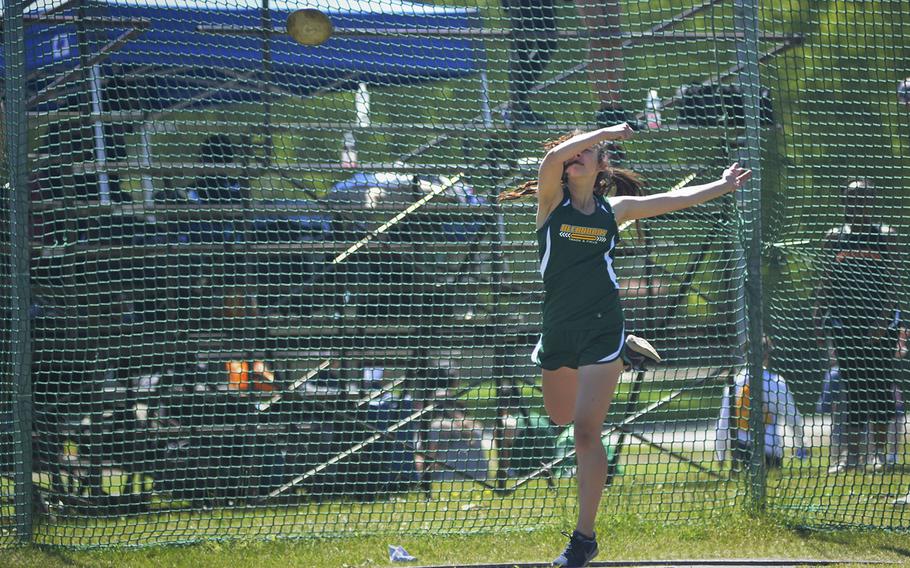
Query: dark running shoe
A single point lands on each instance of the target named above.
(639, 354)
(579, 551)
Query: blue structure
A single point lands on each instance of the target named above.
(150, 55)
(174, 52)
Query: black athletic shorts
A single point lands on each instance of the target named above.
(577, 348)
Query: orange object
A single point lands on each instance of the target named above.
(741, 410)
(238, 375)
(242, 378)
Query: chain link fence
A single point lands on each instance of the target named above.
(259, 288)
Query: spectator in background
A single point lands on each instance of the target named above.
(857, 306)
(830, 402)
(902, 354)
(220, 183)
(531, 52)
(443, 426)
(528, 438)
(534, 40)
(602, 18)
(779, 411)
(455, 446)
(903, 92)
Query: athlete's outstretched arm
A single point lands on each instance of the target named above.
(630, 208)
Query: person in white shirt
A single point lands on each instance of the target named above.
(780, 413)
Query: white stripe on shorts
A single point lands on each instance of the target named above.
(535, 355)
(615, 354)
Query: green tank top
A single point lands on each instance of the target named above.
(576, 263)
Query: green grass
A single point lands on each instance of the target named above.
(660, 508)
(654, 488)
(736, 535)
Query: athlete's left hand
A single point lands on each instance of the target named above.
(735, 176)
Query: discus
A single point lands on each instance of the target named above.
(309, 26)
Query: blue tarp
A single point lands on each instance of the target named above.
(172, 59)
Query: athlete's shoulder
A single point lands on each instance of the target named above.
(564, 201)
(560, 206)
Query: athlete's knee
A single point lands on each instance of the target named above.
(587, 436)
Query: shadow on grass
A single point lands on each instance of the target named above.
(846, 539)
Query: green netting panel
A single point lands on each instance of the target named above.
(14, 490)
(836, 243)
(273, 293)
(8, 530)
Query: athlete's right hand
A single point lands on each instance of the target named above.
(735, 176)
(621, 131)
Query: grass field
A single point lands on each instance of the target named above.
(656, 496)
(621, 538)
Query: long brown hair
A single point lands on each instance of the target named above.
(618, 181)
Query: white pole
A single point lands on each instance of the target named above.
(485, 100)
(348, 142)
(148, 187)
(362, 105)
(348, 150)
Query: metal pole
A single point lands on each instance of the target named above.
(266, 21)
(145, 160)
(104, 183)
(485, 111)
(20, 335)
(747, 52)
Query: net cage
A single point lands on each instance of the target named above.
(256, 288)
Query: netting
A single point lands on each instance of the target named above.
(273, 294)
(7, 459)
(13, 481)
(837, 233)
